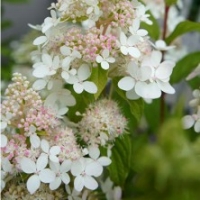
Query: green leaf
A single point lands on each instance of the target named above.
(154, 29)
(5, 24)
(99, 77)
(16, 1)
(182, 28)
(170, 2)
(185, 66)
(135, 106)
(121, 159)
(82, 102)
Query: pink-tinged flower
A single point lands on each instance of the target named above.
(105, 59)
(40, 173)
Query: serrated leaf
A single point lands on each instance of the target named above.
(135, 106)
(154, 29)
(182, 28)
(99, 77)
(121, 159)
(170, 2)
(185, 66)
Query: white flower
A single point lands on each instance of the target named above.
(160, 76)
(138, 76)
(83, 169)
(4, 140)
(47, 67)
(40, 174)
(73, 195)
(61, 173)
(34, 139)
(50, 21)
(136, 32)
(161, 45)
(69, 56)
(5, 120)
(126, 45)
(140, 12)
(79, 83)
(192, 120)
(194, 73)
(105, 59)
(50, 152)
(94, 153)
(111, 193)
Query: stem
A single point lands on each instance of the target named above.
(111, 90)
(162, 100)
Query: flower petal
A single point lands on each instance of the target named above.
(187, 121)
(42, 162)
(47, 176)
(126, 83)
(27, 165)
(94, 152)
(90, 87)
(83, 72)
(124, 50)
(156, 57)
(39, 84)
(78, 88)
(40, 71)
(55, 150)
(133, 51)
(123, 38)
(4, 140)
(131, 94)
(77, 168)
(65, 178)
(147, 91)
(165, 87)
(164, 70)
(55, 184)
(197, 126)
(99, 59)
(94, 169)
(79, 183)
(35, 141)
(66, 166)
(33, 184)
(90, 183)
(45, 145)
(104, 161)
(105, 65)
(40, 40)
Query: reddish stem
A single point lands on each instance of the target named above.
(162, 100)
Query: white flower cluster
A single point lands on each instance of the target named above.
(68, 53)
(194, 119)
(36, 143)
